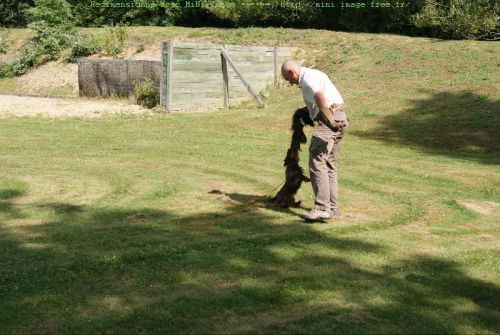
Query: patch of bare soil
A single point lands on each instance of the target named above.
(11, 105)
(151, 53)
(481, 207)
(46, 78)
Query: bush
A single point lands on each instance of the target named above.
(392, 19)
(83, 46)
(5, 70)
(458, 18)
(12, 12)
(151, 13)
(114, 42)
(30, 56)
(297, 13)
(140, 48)
(4, 46)
(51, 20)
(4, 43)
(146, 93)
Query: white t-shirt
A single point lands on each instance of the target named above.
(312, 81)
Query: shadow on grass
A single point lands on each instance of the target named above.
(6, 207)
(258, 201)
(457, 124)
(424, 295)
(88, 269)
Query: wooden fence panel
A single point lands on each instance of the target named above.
(198, 73)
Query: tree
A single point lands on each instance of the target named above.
(13, 12)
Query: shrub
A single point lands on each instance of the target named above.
(298, 13)
(12, 12)
(30, 55)
(392, 19)
(458, 18)
(140, 48)
(5, 70)
(114, 42)
(4, 46)
(146, 93)
(52, 22)
(83, 46)
(4, 43)
(147, 13)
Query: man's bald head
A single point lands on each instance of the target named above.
(290, 65)
(290, 71)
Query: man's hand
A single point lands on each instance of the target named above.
(325, 115)
(327, 118)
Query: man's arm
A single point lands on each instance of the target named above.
(324, 112)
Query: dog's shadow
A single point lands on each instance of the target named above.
(259, 201)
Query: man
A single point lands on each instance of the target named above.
(325, 104)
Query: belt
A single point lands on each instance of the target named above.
(334, 105)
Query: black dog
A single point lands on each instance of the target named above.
(294, 173)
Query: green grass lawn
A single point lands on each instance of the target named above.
(131, 224)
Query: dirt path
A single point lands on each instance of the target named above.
(13, 105)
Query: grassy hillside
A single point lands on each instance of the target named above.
(151, 224)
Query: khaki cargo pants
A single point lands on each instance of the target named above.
(323, 152)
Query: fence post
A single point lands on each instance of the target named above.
(225, 78)
(275, 62)
(166, 75)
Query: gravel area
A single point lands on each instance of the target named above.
(13, 105)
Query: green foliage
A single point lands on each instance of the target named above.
(5, 70)
(83, 46)
(50, 13)
(458, 18)
(440, 18)
(52, 22)
(114, 42)
(368, 19)
(4, 43)
(140, 48)
(12, 12)
(30, 56)
(146, 93)
(299, 13)
(147, 13)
